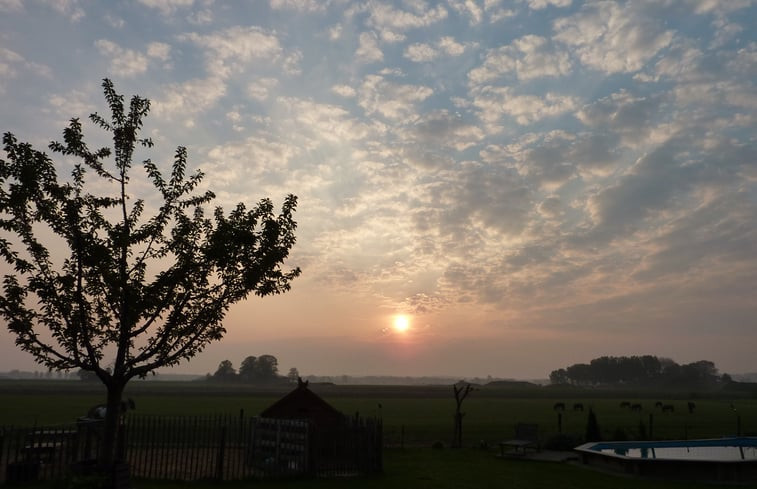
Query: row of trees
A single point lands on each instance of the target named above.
(638, 371)
(253, 370)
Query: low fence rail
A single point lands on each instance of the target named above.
(197, 447)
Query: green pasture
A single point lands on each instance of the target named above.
(424, 468)
(413, 416)
(420, 468)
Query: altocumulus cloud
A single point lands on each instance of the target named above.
(542, 168)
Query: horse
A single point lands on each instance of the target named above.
(578, 407)
(559, 406)
(636, 407)
(668, 408)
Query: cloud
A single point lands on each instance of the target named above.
(159, 50)
(496, 12)
(75, 103)
(201, 17)
(300, 5)
(392, 100)
(323, 122)
(440, 129)
(468, 8)
(422, 52)
(542, 4)
(11, 6)
(710, 6)
(495, 102)
(232, 166)
(385, 17)
(13, 64)
(232, 50)
(368, 51)
(650, 186)
(633, 118)
(467, 200)
(123, 62)
(718, 234)
(526, 58)
(344, 90)
(260, 89)
(127, 62)
(167, 7)
(185, 100)
(69, 8)
(611, 38)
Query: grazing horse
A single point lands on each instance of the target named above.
(625, 404)
(559, 406)
(692, 406)
(578, 407)
(668, 408)
(636, 407)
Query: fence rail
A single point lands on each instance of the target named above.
(199, 447)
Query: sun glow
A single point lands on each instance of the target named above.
(401, 323)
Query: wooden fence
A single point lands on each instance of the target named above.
(198, 447)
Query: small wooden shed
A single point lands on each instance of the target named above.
(302, 403)
(338, 444)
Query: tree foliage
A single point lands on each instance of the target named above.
(262, 369)
(225, 372)
(637, 371)
(139, 285)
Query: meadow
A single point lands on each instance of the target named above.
(413, 416)
(414, 419)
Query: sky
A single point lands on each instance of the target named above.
(531, 183)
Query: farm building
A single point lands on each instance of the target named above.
(302, 403)
(337, 444)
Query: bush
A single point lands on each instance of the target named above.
(592, 427)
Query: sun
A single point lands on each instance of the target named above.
(401, 323)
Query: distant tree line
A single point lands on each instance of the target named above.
(645, 370)
(253, 370)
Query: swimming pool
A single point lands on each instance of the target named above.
(719, 459)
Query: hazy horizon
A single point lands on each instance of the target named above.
(485, 187)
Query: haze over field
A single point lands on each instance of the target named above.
(485, 187)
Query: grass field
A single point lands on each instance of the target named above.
(416, 417)
(420, 468)
(413, 416)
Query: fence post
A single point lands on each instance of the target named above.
(221, 454)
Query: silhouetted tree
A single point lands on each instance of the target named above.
(637, 370)
(293, 375)
(559, 376)
(95, 282)
(266, 368)
(461, 392)
(592, 427)
(247, 369)
(225, 372)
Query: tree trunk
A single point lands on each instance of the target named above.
(108, 454)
